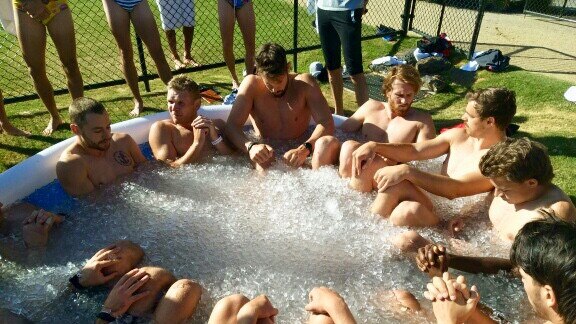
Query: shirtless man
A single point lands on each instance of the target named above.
(279, 105)
(521, 172)
(389, 122)
(401, 188)
(98, 156)
(183, 138)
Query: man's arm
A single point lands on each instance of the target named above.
(239, 113)
(160, 139)
(134, 150)
(354, 122)
(73, 176)
(327, 301)
(319, 108)
(471, 184)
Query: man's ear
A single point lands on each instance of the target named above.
(75, 128)
(548, 296)
(491, 121)
(532, 183)
(197, 103)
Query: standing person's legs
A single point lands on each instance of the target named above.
(350, 32)
(145, 26)
(227, 19)
(171, 37)
(330, 43)
(119, 22)
(188, 33)
(247, 23)
(61, 29)
(5, 125)
(32, 38)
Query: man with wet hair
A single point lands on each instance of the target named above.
(98, 156)
(280, 105)
(544, 252)
(186, 136)
(393, 121)
(402, 188)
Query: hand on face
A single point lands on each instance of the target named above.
(362, 157)
(37, 227)
(389, 176)
(123, 295)
(262, 154)
(93, 273)
(296, 157)
(432, 259)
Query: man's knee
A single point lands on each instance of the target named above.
(160, 281)
(179, 303)
(231, 304)
(325, 151)
(345, 168)
(412, 213)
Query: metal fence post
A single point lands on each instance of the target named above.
(441, 18)
(406, 17)
(143, 64)
(295, 37)
(479, 18)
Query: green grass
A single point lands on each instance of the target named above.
(543, 114)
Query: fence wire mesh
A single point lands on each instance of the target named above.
(287, 22)
(561, 9)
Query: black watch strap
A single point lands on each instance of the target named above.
(75, 281)
(309, 147)
(106, 317)
(251, 145)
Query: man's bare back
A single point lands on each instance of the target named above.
(509, 218)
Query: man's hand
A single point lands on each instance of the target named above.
(432, 259)
(37, 226)
(261, 154)
(462, 302)
(92, 274)
(206, 123)
(123, 295)
(199, 135)
(35, 9)
(389, 176)
(328, 302)
(258, 310)
(362, 157)
(296, 157)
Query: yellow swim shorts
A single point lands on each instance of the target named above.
(53, 7)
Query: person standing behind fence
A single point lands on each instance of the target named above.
(33, 19)
(175, 14)
(340, 25)
(119, 14)
(242, 11)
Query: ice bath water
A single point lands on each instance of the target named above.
(237, 231)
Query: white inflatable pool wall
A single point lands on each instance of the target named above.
(39, 170)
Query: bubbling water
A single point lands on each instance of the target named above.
(237, 231)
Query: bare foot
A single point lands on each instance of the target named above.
(409, 241)
(179, 64)
(53, 125)
(11, 130)
(138, 108)
(188, 60)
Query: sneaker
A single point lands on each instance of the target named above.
(345, 74)
(229, 99)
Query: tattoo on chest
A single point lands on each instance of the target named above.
(122, 158)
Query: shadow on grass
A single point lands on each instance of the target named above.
(557, 145)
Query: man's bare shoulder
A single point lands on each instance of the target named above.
(305, 77)
(122, 138)
(455, 135)
(162, 126)
(558, 200)
(71, 153)
(419, 115)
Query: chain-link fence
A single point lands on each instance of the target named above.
(287, 22)
(561, 9)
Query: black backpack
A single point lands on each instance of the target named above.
(493, 60)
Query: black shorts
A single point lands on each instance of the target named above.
(341, 29)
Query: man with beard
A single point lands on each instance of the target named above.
(186, 136)
(402, 188)
(393, 121)
(98, 156)
(279, 104)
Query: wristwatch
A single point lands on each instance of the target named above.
(106, 315)
(75, 281)
(309, 147)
